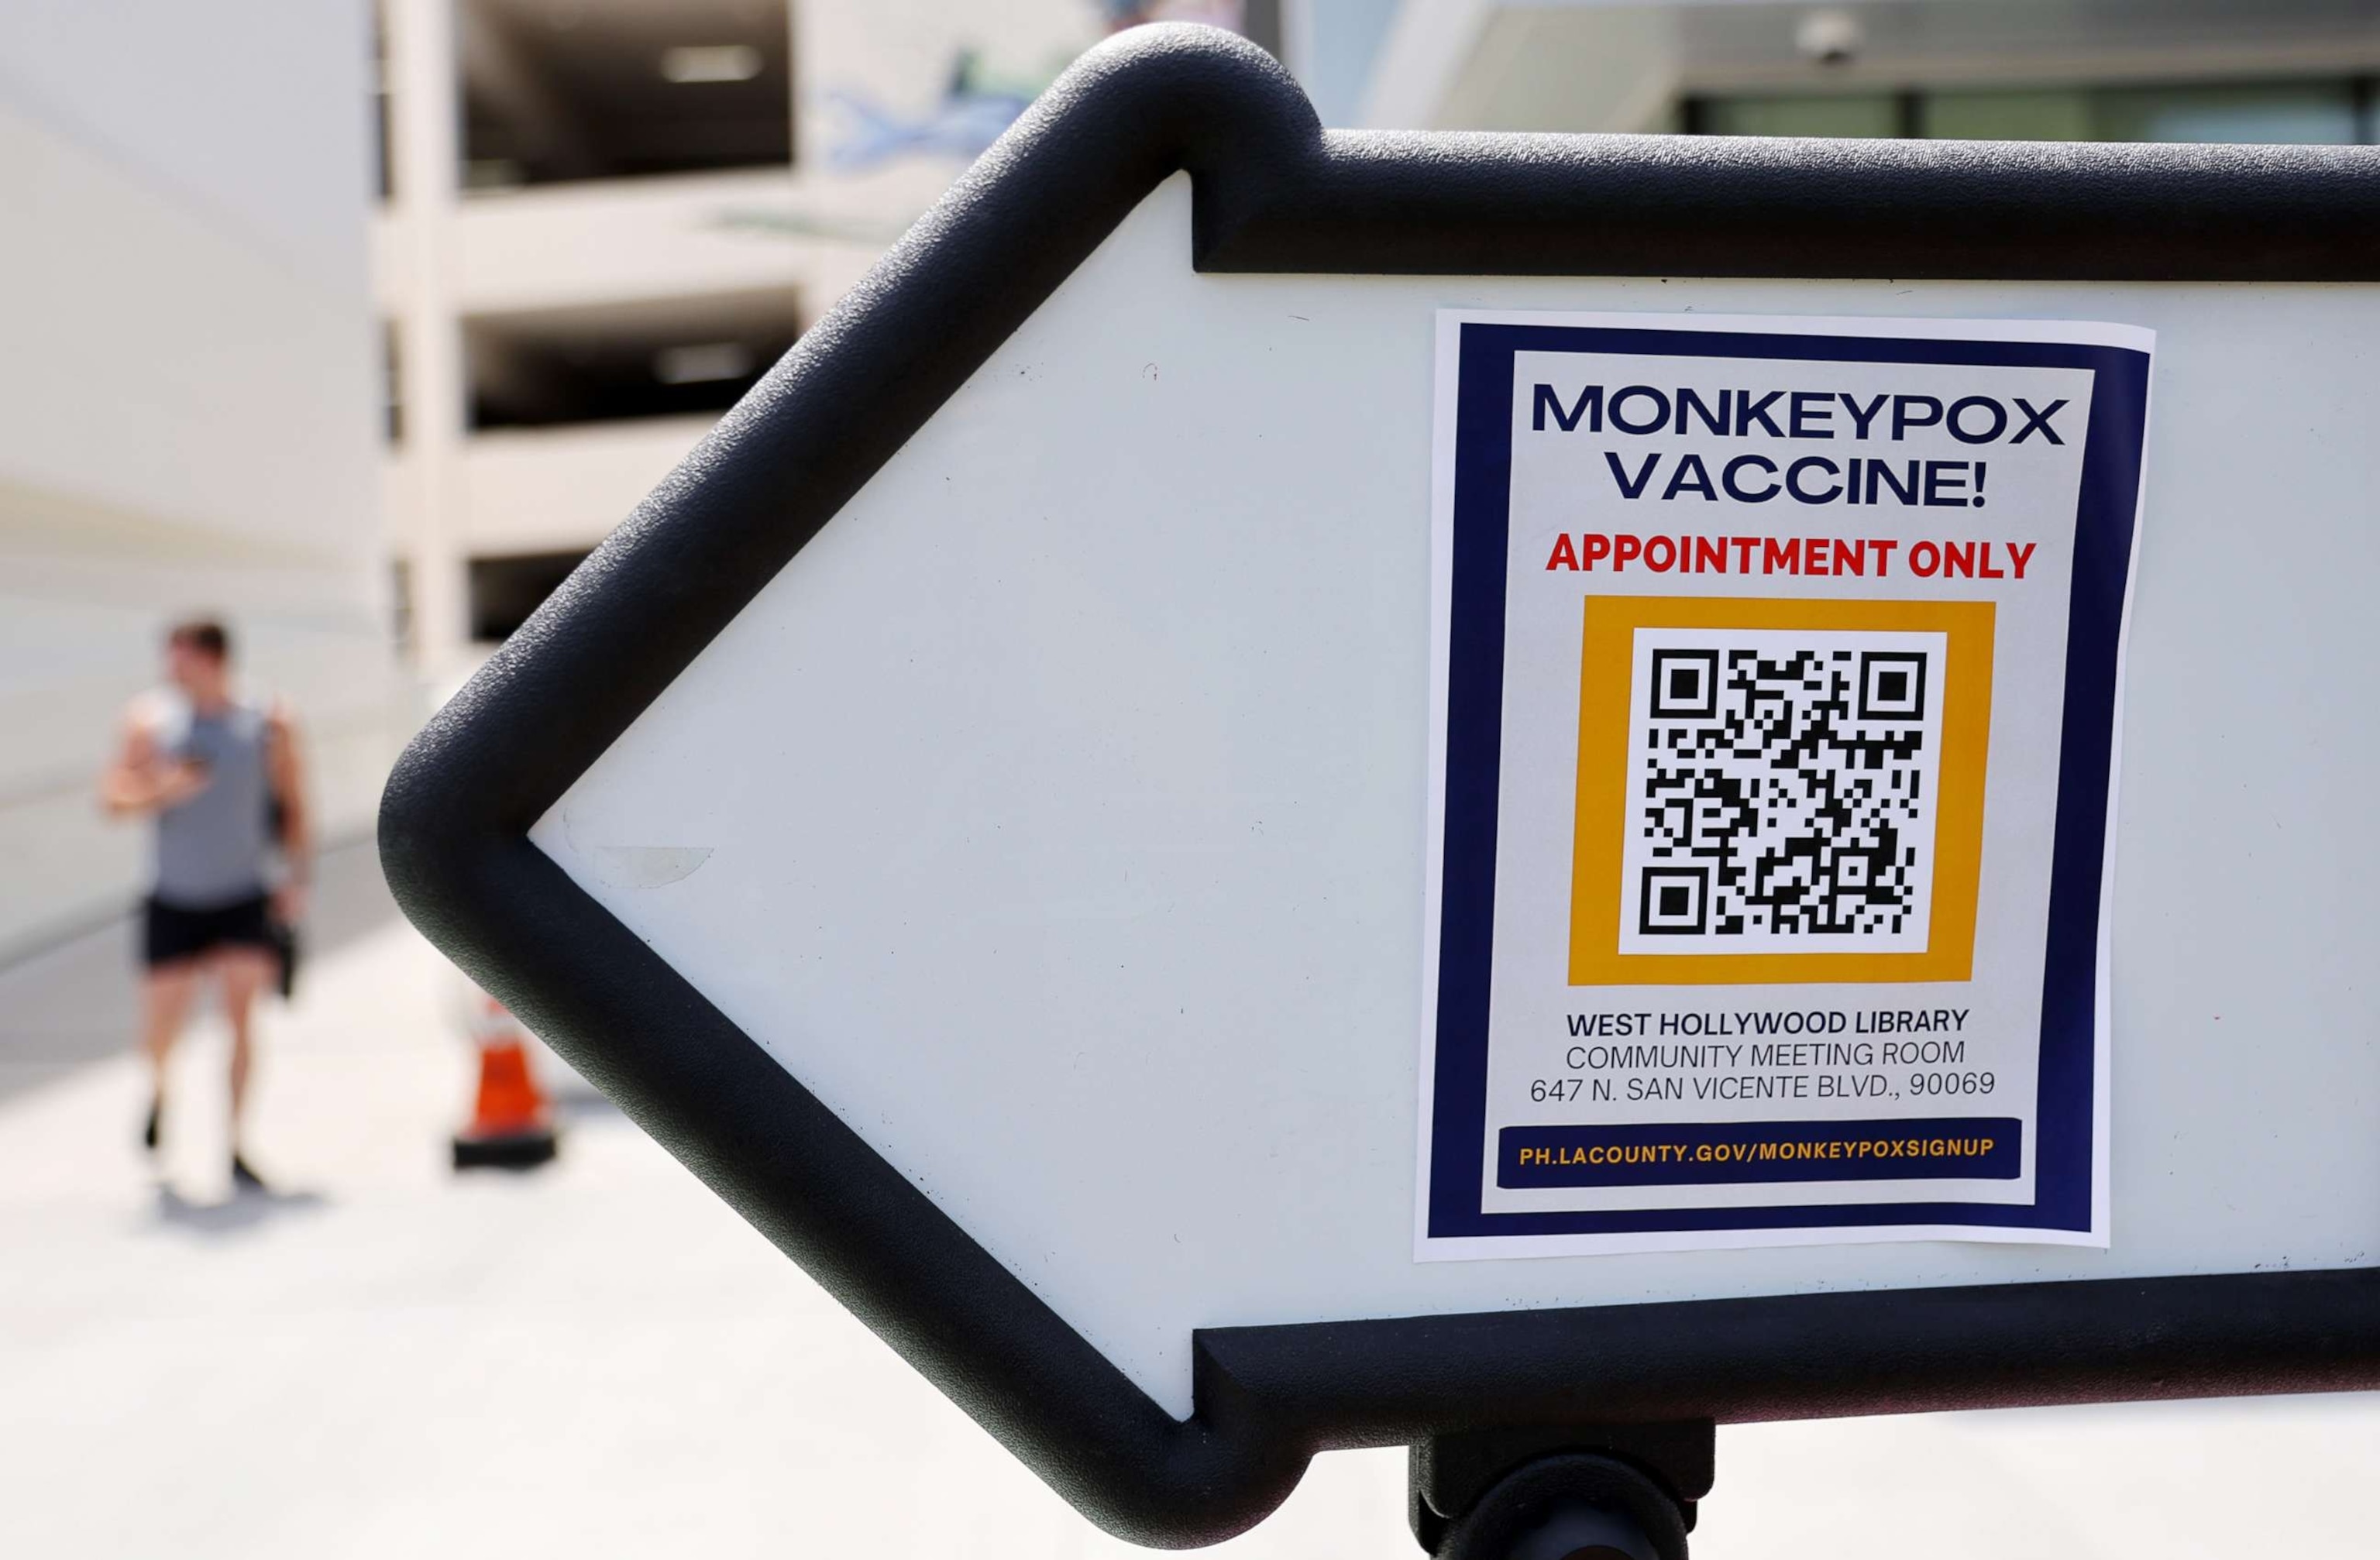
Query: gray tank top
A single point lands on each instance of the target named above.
(213, 850)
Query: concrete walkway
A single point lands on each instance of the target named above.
(600, 1359)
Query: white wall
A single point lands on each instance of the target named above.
(254, 112)
(187, 418)
(1592, 69)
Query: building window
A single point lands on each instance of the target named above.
(558, 90)
(392, 382)
(2316, 112)
(504, 591)
(602, 363)
(1863, 116)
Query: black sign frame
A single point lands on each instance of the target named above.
(1273, 193)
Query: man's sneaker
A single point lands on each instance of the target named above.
(149, 1132)
(243, 1179)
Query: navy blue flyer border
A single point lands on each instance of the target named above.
(2107, 506)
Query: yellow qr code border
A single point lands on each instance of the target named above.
(1606, 660)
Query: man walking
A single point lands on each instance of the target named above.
(220, 777)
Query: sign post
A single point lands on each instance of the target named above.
(1826, 684)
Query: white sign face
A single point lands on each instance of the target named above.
(1777, 671)
(1084, 761)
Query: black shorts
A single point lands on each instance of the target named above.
(171, 934)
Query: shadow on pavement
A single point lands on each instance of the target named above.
(236, 1215)
(76, 1003)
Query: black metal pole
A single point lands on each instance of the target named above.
(1561, 1493)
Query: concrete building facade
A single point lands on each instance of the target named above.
(605, 219)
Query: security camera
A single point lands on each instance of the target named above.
(1829, 37)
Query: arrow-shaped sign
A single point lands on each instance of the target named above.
(983, 812)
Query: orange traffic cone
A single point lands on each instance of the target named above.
(511, 1126)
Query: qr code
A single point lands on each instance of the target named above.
(1781, 790)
